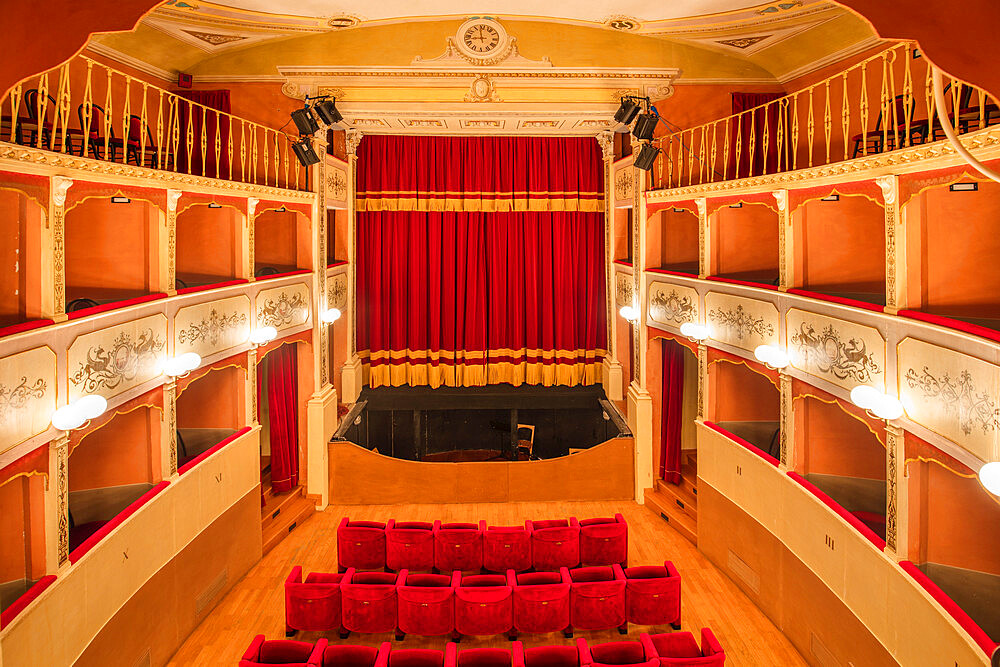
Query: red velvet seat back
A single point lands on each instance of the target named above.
(458, 546)
(541, 602)
(483, 605)
(552, 656)
(350, 656)
(314, 605)
(361, 545)
(507, 548)
(368, 602)
(426, 605)
(653, 594)
(280, 652)
(619, 653)
(409, 545)
(597, 598)
(679, 649)
(485, 657)
(554, 544)
(603, 541)
(416, 657)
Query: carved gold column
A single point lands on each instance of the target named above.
(251, 389)
(54, 262)
(172, 197)
(321, 330)
(895, 246)
(704, 237)
(786, 453)
(611, 370)
(786, 243)
(895, 492)
(251, 209)
(60, 451)
(170, 424)
(702, 381)
(351, 377)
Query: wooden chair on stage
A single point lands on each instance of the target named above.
(525, 442)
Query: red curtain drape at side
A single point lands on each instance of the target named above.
(749, 133)
(672, 402)
(282, 406)
(215, 127)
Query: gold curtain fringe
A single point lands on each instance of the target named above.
(572, 373)
(476, 205)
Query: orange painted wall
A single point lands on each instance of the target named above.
(207, 240)
(108, 245)
(745, 239)
(672, 239)
(336, 235)
(737, 393)
(842, 245)
(622, 249)
(125, 451)
(282, 239)
(13, 274)
(14, 520)
(949, 519)
(216, 400)
(830, 442)
(693, 105)
(960, 272)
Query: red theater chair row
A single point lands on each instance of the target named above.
(445, 547)
(675, 649)
(587, 598)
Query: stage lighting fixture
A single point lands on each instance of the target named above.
(627, 111)
(327, 111)
(644, 126)
(304, 152)
(304, 121)
(647, 155)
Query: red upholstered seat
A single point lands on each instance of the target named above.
(409, 545)
(653, 595)
(541, 601)
(483, 603)
(554, 543)
(485, 657)
(313, 605)
(615, 653)
(422, 657)
(368, 602)
(546, 656)
(361, 545)
(458, 546)
(355, 656)
(603, 541)
(597, 598)
(507, 548)
(283, 652)
(426, 605)
(678, 649)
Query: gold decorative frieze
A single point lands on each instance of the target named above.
(624, 289)
(672, 304)
(841, 352)
(623, 184)
(741, 322)
(336, 184)
(950, 393)
(283, 307)
(211, 327)
(113, 360)
(336, 291)
(27, 395)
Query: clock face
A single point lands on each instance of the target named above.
(481, 38)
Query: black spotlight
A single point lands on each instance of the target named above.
(627, 111)
(327, 111)
(304, 120)
(644, 126)
(304, 152)
(647, 155)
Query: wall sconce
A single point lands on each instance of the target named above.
(263, 335)
(181, 365)
(78, 413)
(771, 356)
(629, 313)
(876, 403)
(989, 475)
(695, 332)
(330, 315)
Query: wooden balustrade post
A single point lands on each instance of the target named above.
(786, 242)
(171, 260)
(895, 492)
(351, 378)
(169, 428)
(895, 247)
(702, 381)
(251, 387)
(57, 506)
(787, 423)
(249, 261)
(53, 252)
(704, 238)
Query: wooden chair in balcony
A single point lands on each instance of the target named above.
(880, 139)
(29, 126)
(94, 142)
(134, 151)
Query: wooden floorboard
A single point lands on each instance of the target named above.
(256, 604)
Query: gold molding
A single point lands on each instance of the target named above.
(191, 380)
(30, 473)
(930, 459)
(837, 402)
(737, 362)
(70, 448)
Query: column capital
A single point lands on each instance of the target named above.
(353, 137)
(172, 197)
(60, 186)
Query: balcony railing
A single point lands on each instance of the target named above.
(87, 109)
(882, 103)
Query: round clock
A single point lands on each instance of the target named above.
(481, 38)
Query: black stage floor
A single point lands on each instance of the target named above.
(480, 423)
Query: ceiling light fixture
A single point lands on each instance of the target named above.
(646, 157)
(304, 151)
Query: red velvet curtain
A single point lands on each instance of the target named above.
(479, 261)
(281, 378)
(672, 402)
(214, 126)
(749, 133)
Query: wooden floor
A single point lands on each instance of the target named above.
(256, 604)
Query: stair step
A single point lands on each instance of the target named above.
(291, 516)
(685, 494)
(277, 506)
(665, 507)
